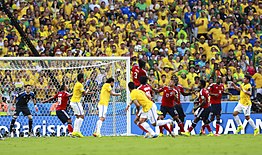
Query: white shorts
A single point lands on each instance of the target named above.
(102, 110)
(245, 109)
(77, 108)
(151, 114)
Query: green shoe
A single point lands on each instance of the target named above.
(210, 134)
(239, 128)
(256, 131)
(186, 133)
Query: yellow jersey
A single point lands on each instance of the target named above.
(77, 92)
(258, 80)
(105, 94)
(142, 99)
(244, 98)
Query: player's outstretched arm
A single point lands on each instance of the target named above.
(235, 86)
(47, 100)
(127, 107)
(114, 93)
(36, 108)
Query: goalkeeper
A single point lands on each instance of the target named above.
(21, 101)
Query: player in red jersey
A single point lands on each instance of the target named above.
(168, 106)
(202, 109)
(180, 90)
(62, 99)
(216, 90)
(138, 71)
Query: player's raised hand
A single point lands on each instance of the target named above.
(127, 107)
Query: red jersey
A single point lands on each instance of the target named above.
(203, 96)
(62, 99)
(214, 88)
(137, 73)
(179, 90)
(168, 98)
(147, 89)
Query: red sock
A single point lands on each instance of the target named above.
(181, 125)
(142, 128)
(190, 129)
(70, 128)
(203, 128)
(167, 128)
(161, 129)
(171, 127)
(208, 128)
(217, 128)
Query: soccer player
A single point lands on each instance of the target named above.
(216, 90)
(77, 107)
(62, 98)
(244, 105)
(178, 107)
(138, 71)
(149, 109)
(21, 101)
(103, 104)
(202, 109)
(167, 105)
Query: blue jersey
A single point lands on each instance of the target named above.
(23, 98)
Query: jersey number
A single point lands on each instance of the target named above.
(135, 75)
(59, 100)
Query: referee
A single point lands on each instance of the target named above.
(21, 101)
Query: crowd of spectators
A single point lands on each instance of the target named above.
(193, 39)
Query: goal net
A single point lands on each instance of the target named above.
(46, 74)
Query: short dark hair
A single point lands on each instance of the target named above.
(131, 85)
(141, 63)
(80, 76)
(109, 80)
(62, 87)
(248, 77)
(203, 83)
(143, 79)
(27, 85)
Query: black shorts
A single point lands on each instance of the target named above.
(170, 110)
(180, 111)
(216, 109)
(203, 113)
(63, 116)
(24, 109)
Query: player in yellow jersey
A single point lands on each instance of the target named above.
(149, 110)
(77, 107)
(103, 104)
(244, 105)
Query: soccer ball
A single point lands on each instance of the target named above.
(138, 48)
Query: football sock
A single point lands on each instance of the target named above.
(217, 128)
(146, 126)
(30, 123)
(98, 126)
(251, 122)
(69, 127)
(208, 127)
(12, 124)
(76, 125)
(181, 126)
(237, 119)
(161, 129)
(192, 126)
(162, 122)
(141, 127)
(80, 121)
(167, 128)
(203, 127)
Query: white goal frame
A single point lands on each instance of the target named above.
(126, 59)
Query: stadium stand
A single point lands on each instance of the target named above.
(187, 38)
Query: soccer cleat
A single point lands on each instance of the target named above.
(31, 134)
(256, 131)
(217, 135)
(160, 135)
(210, 134)
(80, 135)
(74, 134)
(154, 136)
(239, 128)
(97, 135)
(147, 135)
(173, 134)
(202, 132)
(186, 133)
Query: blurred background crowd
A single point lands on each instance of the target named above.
(193, 39)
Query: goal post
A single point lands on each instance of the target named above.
(46, 74)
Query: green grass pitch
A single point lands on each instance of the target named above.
(194, 145)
